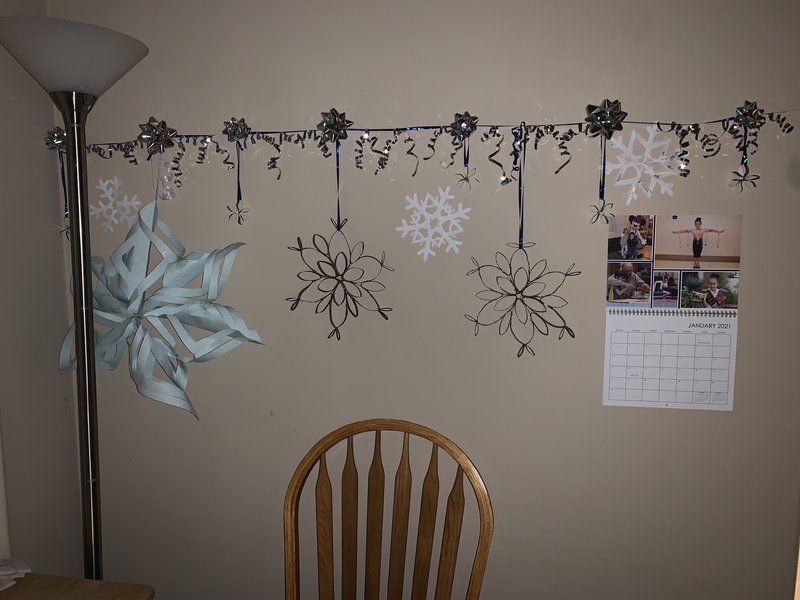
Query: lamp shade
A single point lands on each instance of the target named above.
(67, 56)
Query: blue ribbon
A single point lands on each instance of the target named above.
(521, 143)
(128, 317)
(63, 183)
(338, 223)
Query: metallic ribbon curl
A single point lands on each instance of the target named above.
(410, 152)
(272, 163)
(563, 138)
(541, 132)
(359, 151)
(175, 164)
(432, 143)
(710, 145)
(780, 120)
(156, 136)
(383, 155)
(202, 147)
(682, 132)
(605, 119)
(489, 136)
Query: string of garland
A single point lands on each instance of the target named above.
(602, 120)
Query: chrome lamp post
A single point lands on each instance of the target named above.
(76, 63)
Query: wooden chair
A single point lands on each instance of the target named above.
(429, 500)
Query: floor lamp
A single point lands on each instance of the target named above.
(76, 63)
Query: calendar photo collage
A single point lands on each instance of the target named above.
(674, 261)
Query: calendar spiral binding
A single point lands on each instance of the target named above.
(674, 312)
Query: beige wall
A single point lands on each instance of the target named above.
(590, 502)
(36, 408)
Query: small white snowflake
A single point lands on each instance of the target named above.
(118, 209)
(646, 169)
(434, 222)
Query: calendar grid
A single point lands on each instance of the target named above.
(670, 360)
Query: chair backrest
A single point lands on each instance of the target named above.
(429, 501)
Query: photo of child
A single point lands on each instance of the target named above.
(710, 289)
(630, 237)
(665, 289)
(698, 241)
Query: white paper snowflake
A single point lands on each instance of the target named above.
(116, 210)
(434, 222)
(646, 166)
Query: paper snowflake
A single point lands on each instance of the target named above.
(115, 210)
(160, 303)
(644, 163)
(434, 222)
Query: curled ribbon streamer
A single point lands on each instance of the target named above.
(710, 145)
(359, 156)
(562, 139)
(383, 155)
(127, 317)
(226, 160)
(746, 138)
(127, 149)
(432, 143)
(175, 164)
(100, 151)
(681, 132)
(272, 163)
(410, 152)
(780, 120)
(488, 136)
(202, 148)
(457, 145)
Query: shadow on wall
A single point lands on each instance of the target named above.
(793, 173)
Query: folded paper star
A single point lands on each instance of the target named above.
(158, 312)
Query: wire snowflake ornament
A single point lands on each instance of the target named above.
(521, 298)
(742, 178)
(342, 280)
(601, 211)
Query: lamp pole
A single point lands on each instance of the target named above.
(76, 63)
(74, 108)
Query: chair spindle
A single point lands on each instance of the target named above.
(324, 498)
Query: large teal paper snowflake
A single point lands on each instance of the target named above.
(156, 312)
